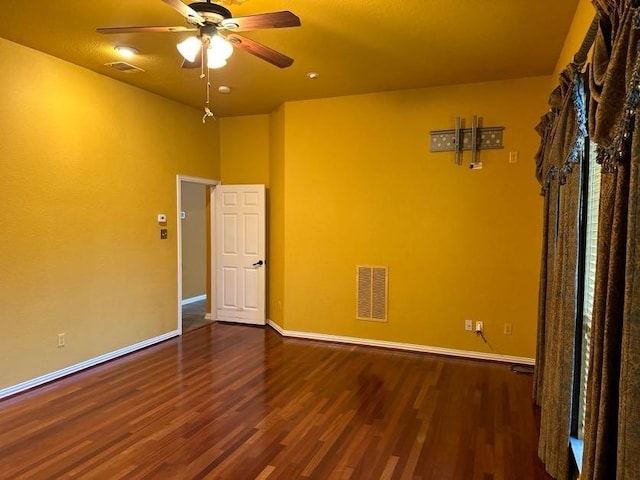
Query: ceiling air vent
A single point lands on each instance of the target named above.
(124, 67)
(372, 293)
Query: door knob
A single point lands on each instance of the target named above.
(259, 263)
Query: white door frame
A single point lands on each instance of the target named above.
(212, 270)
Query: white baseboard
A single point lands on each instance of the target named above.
(21, 387)
(209, 316)
(187, 301)
(49, 377)
(402, 346)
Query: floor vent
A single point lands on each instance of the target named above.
(124, 67)
(372, 293)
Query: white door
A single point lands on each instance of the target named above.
(240, 253)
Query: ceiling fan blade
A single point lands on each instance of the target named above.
(261, 51)
(151, 29)
(186, 11)
(262, 20)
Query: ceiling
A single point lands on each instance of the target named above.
(356, 46)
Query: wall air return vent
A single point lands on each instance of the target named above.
(124, 67)
(372, 287)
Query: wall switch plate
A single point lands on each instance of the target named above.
(468, 325)
(479, 327)
(513, 157)
(507, 329)
(164, 234)
(61, 340)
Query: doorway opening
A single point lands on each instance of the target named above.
(195, 234)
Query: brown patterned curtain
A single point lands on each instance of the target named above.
(563, 131)
(612, 429)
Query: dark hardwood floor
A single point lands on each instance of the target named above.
(235, 402)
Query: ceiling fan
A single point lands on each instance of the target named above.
(216, 29)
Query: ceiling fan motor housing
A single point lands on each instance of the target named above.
(211, 12)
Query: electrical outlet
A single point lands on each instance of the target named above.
(61, 340)
(468, 325)
(479, 327)
(507, 329)
(164, 234)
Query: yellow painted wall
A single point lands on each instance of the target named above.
(352, 182)
(362, 188)
(86, 164)
(244, 149)
(276, 216)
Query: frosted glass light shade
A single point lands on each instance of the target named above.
(222, 48)
(189, 48)
(214, 61)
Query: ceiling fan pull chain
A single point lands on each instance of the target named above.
(208, 84)
(202, 60)
(207, 112)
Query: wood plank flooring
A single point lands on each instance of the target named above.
(235, 402)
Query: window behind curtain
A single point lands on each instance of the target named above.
(590, 251)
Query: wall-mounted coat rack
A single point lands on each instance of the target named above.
(460, 139)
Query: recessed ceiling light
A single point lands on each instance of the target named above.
(224, 89)
(126, 52)
(313, 75)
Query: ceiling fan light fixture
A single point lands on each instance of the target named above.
(220, 47)
(189, 48)
(215, 62)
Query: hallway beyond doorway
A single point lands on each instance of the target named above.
(193, 316)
